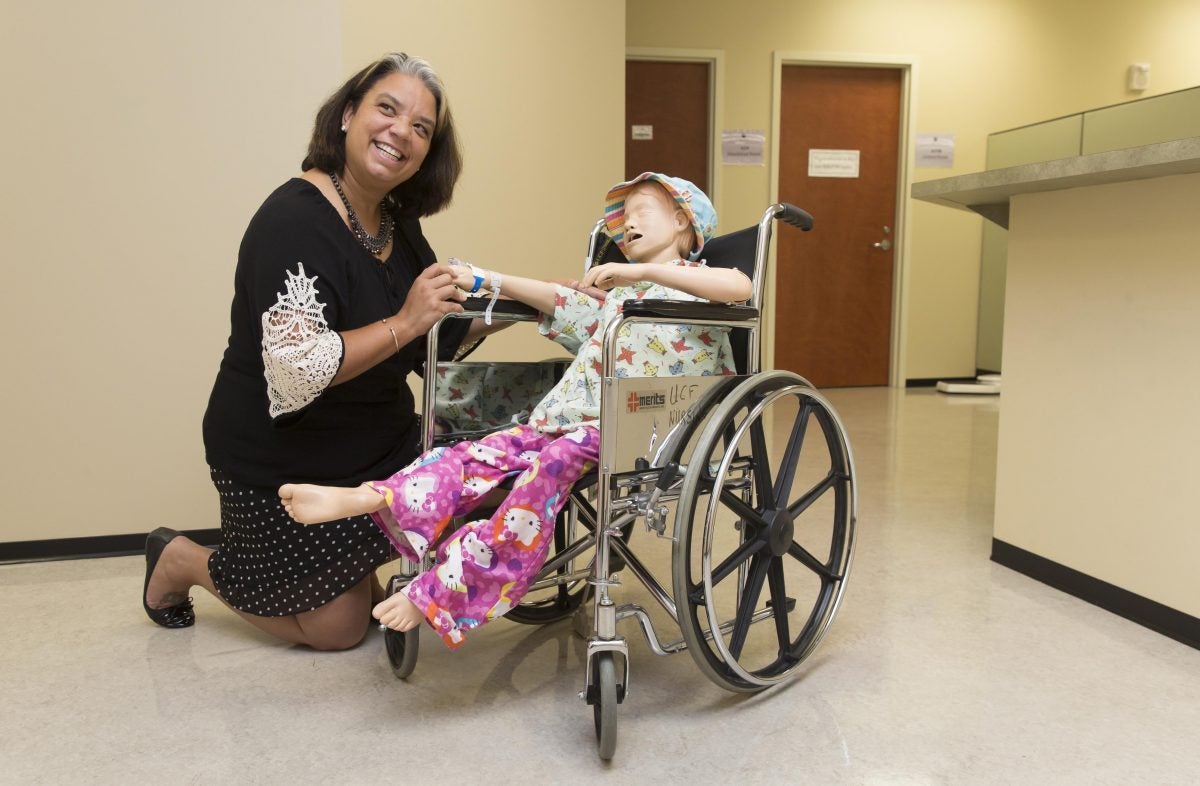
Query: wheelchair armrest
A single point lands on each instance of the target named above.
(687, 309)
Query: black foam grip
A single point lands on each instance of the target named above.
(795, 216)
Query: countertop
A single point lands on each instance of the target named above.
(988, 193)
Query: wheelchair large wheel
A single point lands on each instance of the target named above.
(764, 532)
(401, 648)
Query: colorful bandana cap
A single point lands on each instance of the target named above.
(692, 200)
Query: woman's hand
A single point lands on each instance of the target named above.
(431, 297)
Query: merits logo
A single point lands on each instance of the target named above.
(636, 402)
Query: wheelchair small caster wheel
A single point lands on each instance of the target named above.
(604, 705)
(402, 650)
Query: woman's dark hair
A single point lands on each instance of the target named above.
(432, 187)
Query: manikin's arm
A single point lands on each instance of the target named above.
(530, 291)
(718, 284)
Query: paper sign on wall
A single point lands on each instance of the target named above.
(832, 163)
(742, 147)
(935, 150)
(642, 132)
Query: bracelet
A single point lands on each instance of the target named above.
(478, 279)
(395, 341)
(487, 313)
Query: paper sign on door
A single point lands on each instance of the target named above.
(833, 163)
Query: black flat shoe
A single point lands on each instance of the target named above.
(181, 615)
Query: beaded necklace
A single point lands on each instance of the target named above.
(372, 243)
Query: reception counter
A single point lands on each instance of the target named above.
(1098, 463)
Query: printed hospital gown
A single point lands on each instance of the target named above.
(485, 567)
(645, 349)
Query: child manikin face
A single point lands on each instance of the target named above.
(653, 223)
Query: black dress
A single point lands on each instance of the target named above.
(272, 418)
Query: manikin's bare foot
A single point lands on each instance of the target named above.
(398, 613)
(309, 504)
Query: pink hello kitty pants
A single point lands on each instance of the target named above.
(485, 567)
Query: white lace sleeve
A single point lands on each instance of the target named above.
(300, 353)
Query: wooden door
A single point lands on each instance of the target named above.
(672, 98)
(833, 297)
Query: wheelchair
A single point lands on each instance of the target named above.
(757, 468)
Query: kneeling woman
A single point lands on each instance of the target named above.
(334, 292)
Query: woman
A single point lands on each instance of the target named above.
(334, 291)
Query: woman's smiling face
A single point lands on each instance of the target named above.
(388, 135)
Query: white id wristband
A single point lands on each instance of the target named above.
(487, 313)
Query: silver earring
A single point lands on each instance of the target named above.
(343, 129)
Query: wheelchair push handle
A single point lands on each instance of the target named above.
(790, 214)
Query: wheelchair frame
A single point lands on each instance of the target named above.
(703, 456)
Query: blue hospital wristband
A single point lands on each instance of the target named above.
(476, 272)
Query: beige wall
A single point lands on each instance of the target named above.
(139, 139)
(982, 66)
(1096, 460)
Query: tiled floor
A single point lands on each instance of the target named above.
(942, 668)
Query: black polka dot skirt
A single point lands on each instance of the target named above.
(271, 566)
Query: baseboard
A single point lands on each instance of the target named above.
(1177, 625)
(83, 548)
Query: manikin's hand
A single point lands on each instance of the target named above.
(464, 279)
(611, 274)
(594, 292)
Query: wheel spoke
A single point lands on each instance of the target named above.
(762, 464)
(749, 602)
(725, 446)
(779, 602)
(797, 508)
(791, 455)
(812, 563)
(743, 553)
(742, 508)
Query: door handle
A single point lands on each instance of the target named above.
(886, 243)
